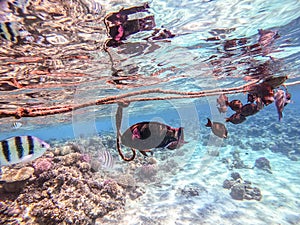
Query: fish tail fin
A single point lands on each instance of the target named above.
(180, 135)
(280, 115)
(208, 123)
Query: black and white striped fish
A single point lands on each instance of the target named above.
(106, 159)
(16, 125)
(21, 149)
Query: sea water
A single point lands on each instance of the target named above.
(194, 192)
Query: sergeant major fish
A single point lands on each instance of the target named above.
(21, 149)
(106, 159)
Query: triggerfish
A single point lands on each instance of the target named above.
(21, 149)
(144, 136)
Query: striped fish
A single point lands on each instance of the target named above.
(16, 125)
(21, 149)
(106, 159)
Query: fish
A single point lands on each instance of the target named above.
(282, 98)
(263, 91)
(236, 118)
(235, 105)
(106, 159)
(222, 100)
(222, 109)
(16, 125)
(249, 109)
(147, 135)
(217, 128)
(20, 149)
(251, 98)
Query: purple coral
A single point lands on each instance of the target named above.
(85, 158)
(41, 165)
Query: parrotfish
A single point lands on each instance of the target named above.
(282, 98)
(20, 149)
(236, 118)
(147, 135)
(217, 128)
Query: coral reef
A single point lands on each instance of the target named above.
(263, 164)
(59, 190)
(191, 190)
(241, 189)
(236, 162)
(15, 179)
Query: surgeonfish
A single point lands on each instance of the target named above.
(106, 159)
(236, 118)
(282, 98)
(249, 109)
(217, 128)
(20, 149)
(235, 105)
(222, 103)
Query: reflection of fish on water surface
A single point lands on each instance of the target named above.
(21, 149)
(9, 31)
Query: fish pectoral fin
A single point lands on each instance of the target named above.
(27, 158)
(144, 152)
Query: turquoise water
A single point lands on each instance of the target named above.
(61, 59)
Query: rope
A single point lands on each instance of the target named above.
(119, 115)
(43, 111)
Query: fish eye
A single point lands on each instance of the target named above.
(42, 145)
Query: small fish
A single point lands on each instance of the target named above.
(281, 100)
(106, 159)
(249, 109)
(236, 118)
(16, 125)
(217, 128)
(21, 149)
(251, 98)
(222, 100)
(259, 103)
(235, 105)
(275, 82)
